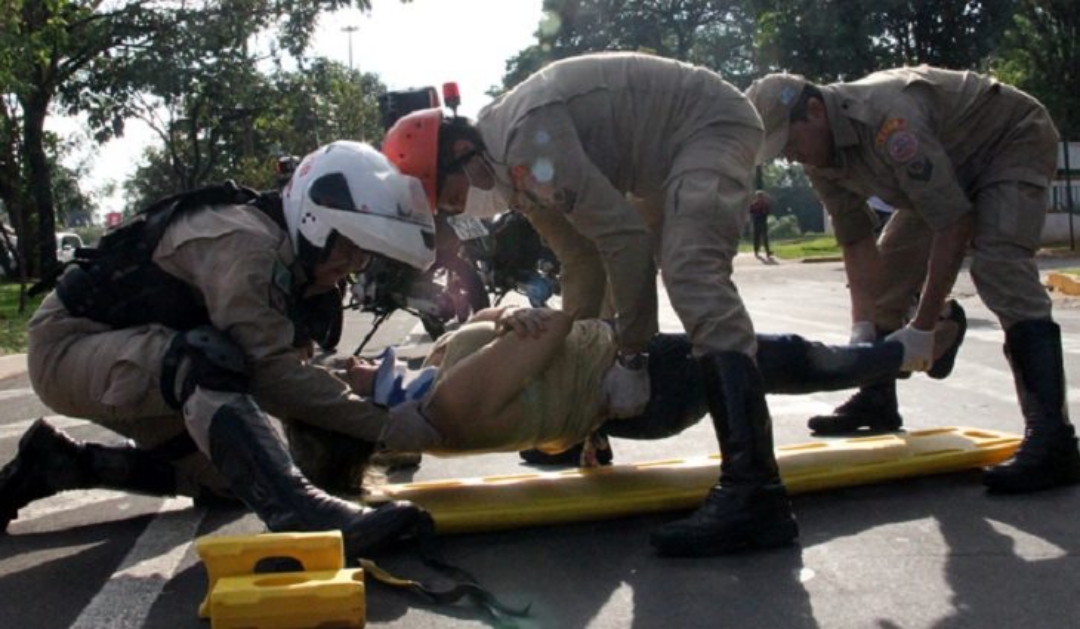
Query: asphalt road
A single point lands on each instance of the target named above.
(930, 552)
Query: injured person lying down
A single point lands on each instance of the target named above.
(518, 378)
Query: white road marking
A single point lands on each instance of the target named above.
(127, 597)
(11, 394)
(66, 501)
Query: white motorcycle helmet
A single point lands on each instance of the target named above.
(352, 189)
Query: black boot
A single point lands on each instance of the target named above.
(49, 462)
(790, 364)
(943, 364)
(247, 451)
(873, 407)
(1048, 456)
(749, 507)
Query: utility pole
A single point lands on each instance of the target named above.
(350, 30)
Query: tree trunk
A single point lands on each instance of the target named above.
(40, 252)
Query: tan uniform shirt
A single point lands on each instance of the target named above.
(579, 135)
(927, 139)
(558, 408)
(240, 264)
(240, 261)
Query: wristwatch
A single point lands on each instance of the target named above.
(632, 360)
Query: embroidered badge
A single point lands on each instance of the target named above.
(889, 126)
(921, 169)
(520, 175)
(280, 287)
(902, 146)
(536, 184)
(282, 277)
(787, 95)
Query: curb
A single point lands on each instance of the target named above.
(822, 259)
(1064, 283)
(12, 365)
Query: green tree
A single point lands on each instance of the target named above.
(74, 208)
(823, 40)
(1042, 56)
(298, 111)
(792, 196)
(829, 40)
(91, 56)
(711, 33)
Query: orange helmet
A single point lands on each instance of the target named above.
(412, 145)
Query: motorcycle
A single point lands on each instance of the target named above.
(450, 291)
(513, 258)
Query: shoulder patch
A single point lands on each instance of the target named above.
(282, 277)
(887, 129)
(902, 146)
(521, 176)
(921, 169)
(280, 287)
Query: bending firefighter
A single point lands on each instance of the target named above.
(967, 162)
(185, 359)
(624, 163)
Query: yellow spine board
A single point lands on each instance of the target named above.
(238, 555)
(507, 502)
(290, 599)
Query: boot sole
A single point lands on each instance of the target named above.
(775, 536)
(863, 429)
(1059, 478)
(943, 366)
(381, 528)
(7, 475)
(11, 471)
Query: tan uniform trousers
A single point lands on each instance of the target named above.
(703, 218)
(696, 224)
(1008, 229)
(86, 369)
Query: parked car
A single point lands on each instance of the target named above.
(66, 244)
(7, 255)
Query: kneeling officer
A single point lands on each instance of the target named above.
(183, 350)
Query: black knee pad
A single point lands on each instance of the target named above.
(210, 359)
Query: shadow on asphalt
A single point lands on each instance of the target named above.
(604, 573)
(574, 576)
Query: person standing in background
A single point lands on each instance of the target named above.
(759, 217)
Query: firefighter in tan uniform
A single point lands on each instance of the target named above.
(968, 161)
(241, 268)
(569, 147)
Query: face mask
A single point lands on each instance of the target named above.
(483, 203)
